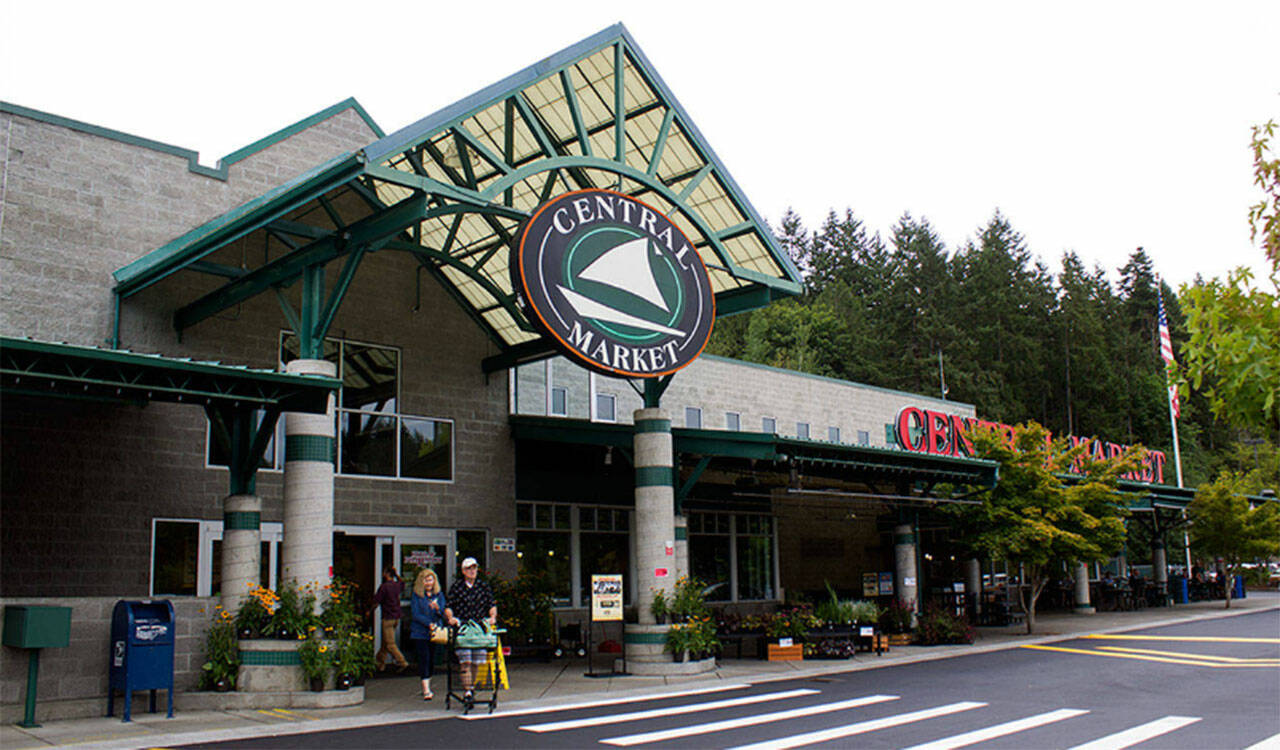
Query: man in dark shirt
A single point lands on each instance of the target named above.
(470, 599)
(388, 599)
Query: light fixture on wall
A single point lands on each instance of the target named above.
(608, 455)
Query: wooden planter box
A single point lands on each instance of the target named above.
(785, 653)
(901, 639)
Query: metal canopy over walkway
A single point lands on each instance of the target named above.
(452, 189)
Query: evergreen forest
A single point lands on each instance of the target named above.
(986, 323)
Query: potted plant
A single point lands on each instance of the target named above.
(316, 656)
(788, 626)
(658, 606)
(222, 657)
(255, 612)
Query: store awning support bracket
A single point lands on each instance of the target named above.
(243, 439)
(683, 491)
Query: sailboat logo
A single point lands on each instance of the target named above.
(624, 267)
(614, 283)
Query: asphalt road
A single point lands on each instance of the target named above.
(1204, 685)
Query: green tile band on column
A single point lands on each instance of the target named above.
(649, 638)
(682, 533)
(655, 476)
(308, 448)
(270, 658)
(241, 519)
(653, 425)
(904, 538)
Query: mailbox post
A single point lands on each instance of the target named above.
(142, 641)
(34, 628)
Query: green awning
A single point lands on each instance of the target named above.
(855, 460)
(40, 368)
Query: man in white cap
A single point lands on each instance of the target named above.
(470, 599)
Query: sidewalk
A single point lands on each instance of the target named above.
(397, 699)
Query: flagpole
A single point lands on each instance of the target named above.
(1166, 348)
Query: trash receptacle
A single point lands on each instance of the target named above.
(35, 627)
(1237, 589)
(142, 641)
(1178, 585)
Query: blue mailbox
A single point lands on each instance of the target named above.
(142, 640)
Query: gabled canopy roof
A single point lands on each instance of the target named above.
(452, 188)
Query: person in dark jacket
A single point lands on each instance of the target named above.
(426, 613)
(388, 598)
(470, 599)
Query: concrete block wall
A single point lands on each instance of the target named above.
(73, 680)
(719, 385)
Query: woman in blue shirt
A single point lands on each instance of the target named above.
(427, 614)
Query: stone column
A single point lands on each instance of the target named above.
(682, 547)
(904, 555)
(1160, 566)
(655, 509)
(973, 585)
(241, 548)
(307, 549)
(1083, 607)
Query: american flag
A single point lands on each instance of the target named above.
(1166, 353)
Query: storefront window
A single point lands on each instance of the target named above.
(472, 543)
(603, 553)
(368, 444)
(545, 554)
(426, 448)
(755, 557)
(175, 552)
(373, 438)
(717, 540)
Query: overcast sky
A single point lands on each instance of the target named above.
(1096, 127)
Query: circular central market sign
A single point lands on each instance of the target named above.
(615, 284)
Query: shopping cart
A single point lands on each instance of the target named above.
(490, 677)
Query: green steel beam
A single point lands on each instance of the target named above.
(619, 105)
(571, 98)
(290, 315)
(468, 171)
(506, 300)
(689, 483)
(513, 356)
(298, 229)
(348, 272)
(331, 212)
(484, 151)
(695, 182)
(509, 142)
(217, 269)
(449, 192)
(288, 267)
(661, 144)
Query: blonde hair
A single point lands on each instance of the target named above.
(420, 583)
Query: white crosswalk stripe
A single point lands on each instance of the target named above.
(747, 721)
(1000, 730)
(507, 713)
(594, 721)
(1140, 733)
(1270, 743)
(862, 727)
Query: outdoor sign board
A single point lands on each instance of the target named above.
(941, 434)
(606, 597)
(614, 284)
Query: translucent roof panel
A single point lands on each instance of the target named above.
(453, 188)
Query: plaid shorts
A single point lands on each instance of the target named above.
(472, 655)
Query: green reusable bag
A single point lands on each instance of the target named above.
(474, 634)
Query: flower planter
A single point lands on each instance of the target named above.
(317, 684)
(342, 682)
(785, 653)
(901, 639)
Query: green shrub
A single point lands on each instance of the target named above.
(938, 625)
(221, 654)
